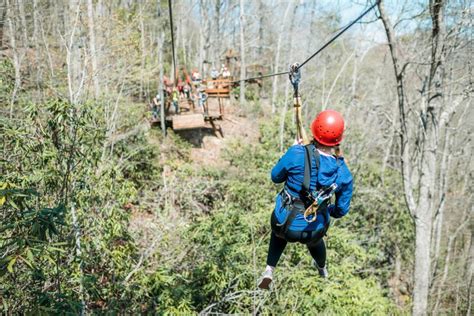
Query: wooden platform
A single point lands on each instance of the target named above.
(190, 120)
(219, 88)
(193, 116)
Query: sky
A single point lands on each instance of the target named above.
(373, 32)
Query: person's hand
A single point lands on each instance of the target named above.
(298, 141)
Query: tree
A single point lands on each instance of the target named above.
(424, 127)
(17, 57)
(277, 57)
(242, 53)
(92, 48)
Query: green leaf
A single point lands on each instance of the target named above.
(29, 255)
(13, 204)
(10, 265)
(56, 249)
(27, 262)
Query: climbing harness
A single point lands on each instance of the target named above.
(309, 203)
(295, 205)
(314, 199)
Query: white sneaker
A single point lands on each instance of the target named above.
(265, 280)
(323, 272)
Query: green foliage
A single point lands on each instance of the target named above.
(380, 215)
(7, 80)
(55, 166)
(211, 263)
(229, 249)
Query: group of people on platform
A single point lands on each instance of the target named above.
(188, 87)
(224, 73)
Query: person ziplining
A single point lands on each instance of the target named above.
(312, 174)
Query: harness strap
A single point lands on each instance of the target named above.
(289, 202)
(307, 171)
(290, 218)
(310, 153)
(293, 206)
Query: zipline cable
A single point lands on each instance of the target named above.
(339, 34)
(263, 76)
(342, 31)
(172, 42)
(295, 78)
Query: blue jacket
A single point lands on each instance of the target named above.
(290, 169)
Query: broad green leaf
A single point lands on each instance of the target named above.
(29, 255)
(10, 265)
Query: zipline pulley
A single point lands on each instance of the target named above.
(295, 76)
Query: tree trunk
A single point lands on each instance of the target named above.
(287, 86)
(46, 46)
(92, 48)
(184, 35)
(217, 32)
(15, 54)
(242, 54)
(277, 57)
(422, 266)
(143, 53)
(261, 23)
(420, 175)
(3, 14)
(24, 29)
(161, 41)
(204, 37)
(73, 54)
(35, 38)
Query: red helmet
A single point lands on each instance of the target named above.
(328, 127)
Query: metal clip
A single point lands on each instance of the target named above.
(322, 196)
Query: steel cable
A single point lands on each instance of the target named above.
(343, 30)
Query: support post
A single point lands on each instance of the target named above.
(160, 82)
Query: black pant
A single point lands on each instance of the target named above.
(277, 245)
(313, 240)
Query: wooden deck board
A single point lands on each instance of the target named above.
(188, 121)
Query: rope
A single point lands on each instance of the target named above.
(295, 78)
(172, 41)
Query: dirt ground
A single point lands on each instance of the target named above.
(208, 143)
